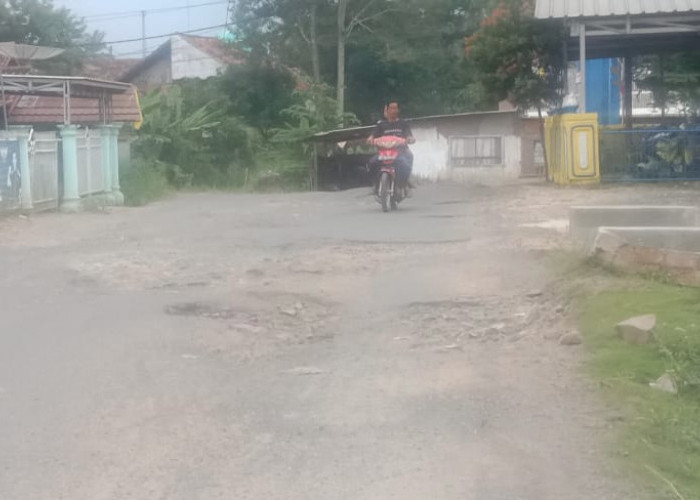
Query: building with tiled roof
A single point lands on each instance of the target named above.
(182, 57)
(107, 67)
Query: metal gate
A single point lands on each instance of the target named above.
(43, 165)
(90, 173)
(650, 154)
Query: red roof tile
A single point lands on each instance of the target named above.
(35, 110)
(215, 48)
(107, 68)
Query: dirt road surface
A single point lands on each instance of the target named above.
(300, 346)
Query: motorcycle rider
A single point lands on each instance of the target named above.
(393, 125)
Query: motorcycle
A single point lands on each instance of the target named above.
(389, 195)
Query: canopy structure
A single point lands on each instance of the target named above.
(623, 28)
(52, 99)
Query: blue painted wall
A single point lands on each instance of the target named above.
(603, 90)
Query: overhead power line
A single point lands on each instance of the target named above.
(165, 35)
(133, 13)
(150, 48)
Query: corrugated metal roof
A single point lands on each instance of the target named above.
(604, 8)
(349, 134)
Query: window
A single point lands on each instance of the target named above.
(476, 151)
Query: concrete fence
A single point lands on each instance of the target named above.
(59, 169)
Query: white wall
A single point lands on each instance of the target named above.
(431, 158)
(493, 174)
(429, 153)
(190, 62)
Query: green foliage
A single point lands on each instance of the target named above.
(661, 432)
(143, 182)
(281, 167)
(286, 162)
(674, 80)
(314, 111)
(517, 56)
(40, 22)
(411, 51)
(258, 91)
(195, 144)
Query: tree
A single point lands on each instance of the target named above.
(258, 90)
(372, 50)
(415, 55)
(279, 28)
(313, 112)
(673, 79)
(364, 13)
(292, 31)
(517, 56)
(39, 22)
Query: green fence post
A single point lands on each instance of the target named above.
(114, 164)
(71, 196)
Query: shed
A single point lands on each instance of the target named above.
(489, 147)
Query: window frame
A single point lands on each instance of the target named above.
(477, 162)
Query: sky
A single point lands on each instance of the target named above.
(121, 19)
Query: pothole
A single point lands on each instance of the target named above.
(203, 310)
(481, 319)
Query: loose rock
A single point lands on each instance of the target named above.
(571, 339)
(448, 348)
(665, 383)
(638, 330)
(290, 312)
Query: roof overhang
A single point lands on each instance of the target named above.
(67, 91)
(60, 85)
(361, 133)
(616, 36)
(616, 28)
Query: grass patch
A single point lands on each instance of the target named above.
(661, 436)
(143, 182)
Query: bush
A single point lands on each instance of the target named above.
(192, 136)
(281, 168)
(143, 182)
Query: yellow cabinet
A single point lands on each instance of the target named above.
(571, 142)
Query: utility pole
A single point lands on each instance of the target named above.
(143, 33)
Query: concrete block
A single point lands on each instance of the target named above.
(584, 221)
(682, 261)
(683, 239)
(607, 242)
(672, 250)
